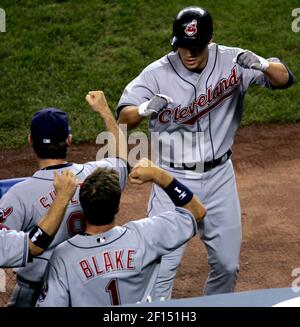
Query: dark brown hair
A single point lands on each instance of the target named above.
(100, 196)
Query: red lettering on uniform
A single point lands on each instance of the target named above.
(118, 257)
(98, 270)
(176, 113)
(193, 108)
(205, 103)
(44, 203)
(52, 195)
(130, 259)
(209, 95)
(73, 201)
(233, 79)
(224, 84)
(202, 100)
(165, 116)
(107, 262)
(86, 269)
(217, 91)
(184, 112)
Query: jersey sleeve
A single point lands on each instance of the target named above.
(54, 292)
(119, 165)
(256, 77)
(12, 211)
(13, 248)
(141, 89)
(165, 232)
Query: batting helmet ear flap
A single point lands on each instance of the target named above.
(173, 43)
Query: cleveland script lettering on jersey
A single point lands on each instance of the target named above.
(205, 102)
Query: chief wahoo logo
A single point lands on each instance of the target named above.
(191, 28)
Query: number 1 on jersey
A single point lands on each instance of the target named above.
(113, 290)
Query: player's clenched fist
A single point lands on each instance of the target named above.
(250, 60)
(146, 171)
(65, 184)
(97, 101)
(142, 172)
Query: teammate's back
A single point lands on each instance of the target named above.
(50, 136)
(32, 198)
(113, 265)
(117, 267)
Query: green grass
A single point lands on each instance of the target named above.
(53, 52)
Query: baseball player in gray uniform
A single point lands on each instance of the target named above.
(200, 87)
(18, 248)
(110, 264)
(30, 200)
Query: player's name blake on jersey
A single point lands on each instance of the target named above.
(108, 261)
(223, 90)
(47, 199)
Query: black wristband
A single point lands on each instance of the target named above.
(40, 238)
(178, 193)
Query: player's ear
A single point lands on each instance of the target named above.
(30, 142)
(69, 140)
(117, 210)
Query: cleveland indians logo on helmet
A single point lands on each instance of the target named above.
(191, 28)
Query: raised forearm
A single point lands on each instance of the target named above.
(51, 221)
(130, 116)
(145, 171)
(161, 177)
(277, 74)
(112, 127)
(164, 179)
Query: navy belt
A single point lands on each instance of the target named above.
(206, 166)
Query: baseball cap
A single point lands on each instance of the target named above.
(49, 126)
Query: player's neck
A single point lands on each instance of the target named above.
(43, 163)
(92, 229)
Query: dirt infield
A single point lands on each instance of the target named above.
(267, 165)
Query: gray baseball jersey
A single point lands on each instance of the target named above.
(13, 248)
(116, 267)
(210, 101)
(30, 200)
